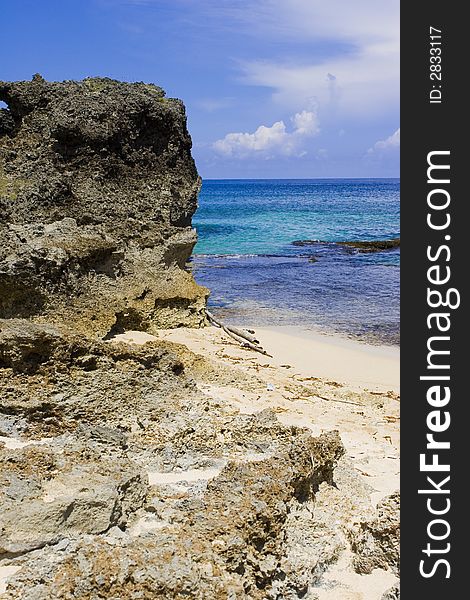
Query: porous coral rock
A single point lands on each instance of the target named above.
(97, 191)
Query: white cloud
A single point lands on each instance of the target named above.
(361, 81)
(305, 123)
(366, 84)
(390, 144)
(271, 141)
(302, 20)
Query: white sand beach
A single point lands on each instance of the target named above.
(341, 359)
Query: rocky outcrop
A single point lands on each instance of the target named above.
(95, 500)
(120, 477)
(97, 191)
(363, 247)
(376, 541)
(50, 497)
(372, 246)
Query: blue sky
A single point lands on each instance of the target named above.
(273, 88)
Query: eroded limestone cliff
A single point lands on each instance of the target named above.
(97, 191)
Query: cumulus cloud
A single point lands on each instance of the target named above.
(305, 123)
(388, 145)
(271, 141)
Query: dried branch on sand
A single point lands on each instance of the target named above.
(244, 338)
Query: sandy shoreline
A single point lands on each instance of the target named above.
(343, 360)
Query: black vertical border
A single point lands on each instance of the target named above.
(427, 127)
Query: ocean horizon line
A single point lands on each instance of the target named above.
(300, 179)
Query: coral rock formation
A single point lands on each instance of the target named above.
(95, 500)
(97, 191)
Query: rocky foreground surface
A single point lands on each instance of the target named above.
(127, 471)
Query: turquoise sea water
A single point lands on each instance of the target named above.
(246, 256)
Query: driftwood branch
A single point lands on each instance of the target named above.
(247, 335)
(243, 334)
(244, 338)
(245, 343)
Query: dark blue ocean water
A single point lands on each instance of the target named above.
(256, 275)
